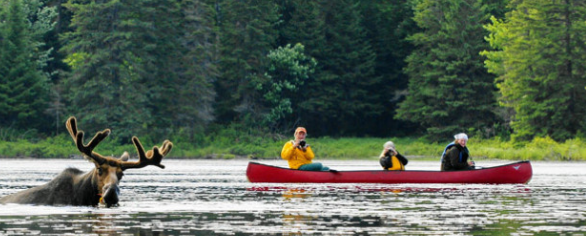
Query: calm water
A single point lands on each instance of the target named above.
(198, 197)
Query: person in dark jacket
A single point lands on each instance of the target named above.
(390, 159)
(456, 155)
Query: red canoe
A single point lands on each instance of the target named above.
(515, 173)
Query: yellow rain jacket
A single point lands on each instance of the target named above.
(295, 156)
(397, 165)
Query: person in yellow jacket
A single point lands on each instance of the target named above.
(299, 154)
(390, 159)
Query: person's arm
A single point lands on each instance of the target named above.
(287, 151)
(453, 156)
(402, 159)
(383, 153)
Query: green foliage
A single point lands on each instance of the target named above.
(178, 69)
(144, 72)
(108, 82)
(287, 71)
(24, 88)
(54, 147)
(370, 148)
(61, 146)
(538, 56)
(388, 24)
(346, 90)
(12, 134)
(236, 139)
(235, 142)
(193, 93)
(247, 35)
(449, 89)
(537, 149)
(302, 22)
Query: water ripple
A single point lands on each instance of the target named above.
(214, 197)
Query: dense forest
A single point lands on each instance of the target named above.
(159, 68)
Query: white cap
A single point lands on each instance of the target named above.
(389, 145)
(461, 136)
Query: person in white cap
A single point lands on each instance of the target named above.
(391, 159)
(456, 155)
(299, 154)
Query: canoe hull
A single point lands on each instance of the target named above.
(514, 173)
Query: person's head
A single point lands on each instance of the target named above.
(389, 145)
(300, 133)
(461, 139)
(386, 147)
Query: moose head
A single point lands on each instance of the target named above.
(100, 185)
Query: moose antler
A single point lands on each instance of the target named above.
(151, 157)
(87, 150)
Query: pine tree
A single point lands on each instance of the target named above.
(44, 16)
(108, 52)
(345, 90)
(449, 89)
(247, 35)
(61, 19)
(196, 69)
(388, 23)
(302, 22)
(162, 57)
(4, 63)
(540, 62)
(497, 8)
(23, 88)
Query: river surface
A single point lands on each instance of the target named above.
(213, 197)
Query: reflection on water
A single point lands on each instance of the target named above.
(214, 197)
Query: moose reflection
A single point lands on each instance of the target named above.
(100, 185)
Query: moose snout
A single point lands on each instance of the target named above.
(110, 195)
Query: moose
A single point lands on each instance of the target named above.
(98, 186)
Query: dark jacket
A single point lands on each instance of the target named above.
(455, 158)
(386, 162)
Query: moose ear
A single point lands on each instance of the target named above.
(125, 156)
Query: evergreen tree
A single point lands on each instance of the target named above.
(108, 53)
(4, 63)
(388, 23)
(197, 69)
(247, 34)
(61, 21)
(44, 17)
(449, 89)
(59, 18)
(287, 71)
(540, 62)
(345, 91)
(302, 22)
(497, 8)
(41, 18)
(162, 57)
(23, 87)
